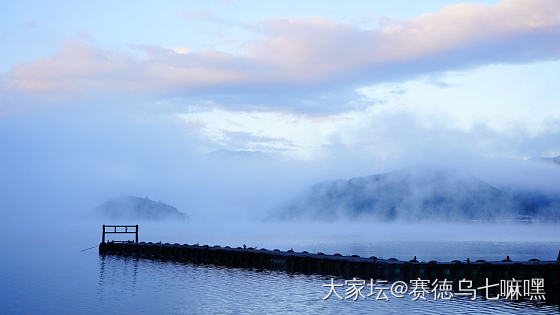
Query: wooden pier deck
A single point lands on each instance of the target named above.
(338, 265)
(345, 266)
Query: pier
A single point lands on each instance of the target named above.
(338, 265)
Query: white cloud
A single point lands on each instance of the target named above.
(307, 54)
(289, 135)
(180, 50)
(411, 118)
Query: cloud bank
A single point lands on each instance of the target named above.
(299, 55)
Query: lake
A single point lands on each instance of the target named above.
(53, 276)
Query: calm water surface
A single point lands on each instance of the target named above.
(55, 279)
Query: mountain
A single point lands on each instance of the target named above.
(136, 208)
(411, 195)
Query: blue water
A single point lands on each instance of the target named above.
(57, 278)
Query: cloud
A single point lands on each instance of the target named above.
(391, 130)
(460, 35)
(81, 68)
(302, 56)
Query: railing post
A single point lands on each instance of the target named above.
(114, 229)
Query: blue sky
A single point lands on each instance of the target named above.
(300, 80)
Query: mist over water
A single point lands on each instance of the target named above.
(62, 165)
(56, 168)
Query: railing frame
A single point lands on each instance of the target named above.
(115, 230)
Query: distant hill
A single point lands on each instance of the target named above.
(413, 195)
(136, 208)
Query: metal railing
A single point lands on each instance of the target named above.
(119, 229)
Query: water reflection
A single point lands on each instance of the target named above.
(127, 283)
(54, 279)
(123, 268)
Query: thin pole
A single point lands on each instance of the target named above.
(103, 234)
(136, 233)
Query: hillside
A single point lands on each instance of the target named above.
(136, 208)
(409, 195)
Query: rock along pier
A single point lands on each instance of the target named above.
(341, 266)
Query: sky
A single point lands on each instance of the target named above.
(137, 93)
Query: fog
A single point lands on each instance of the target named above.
(62, 165)
(57, 166)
